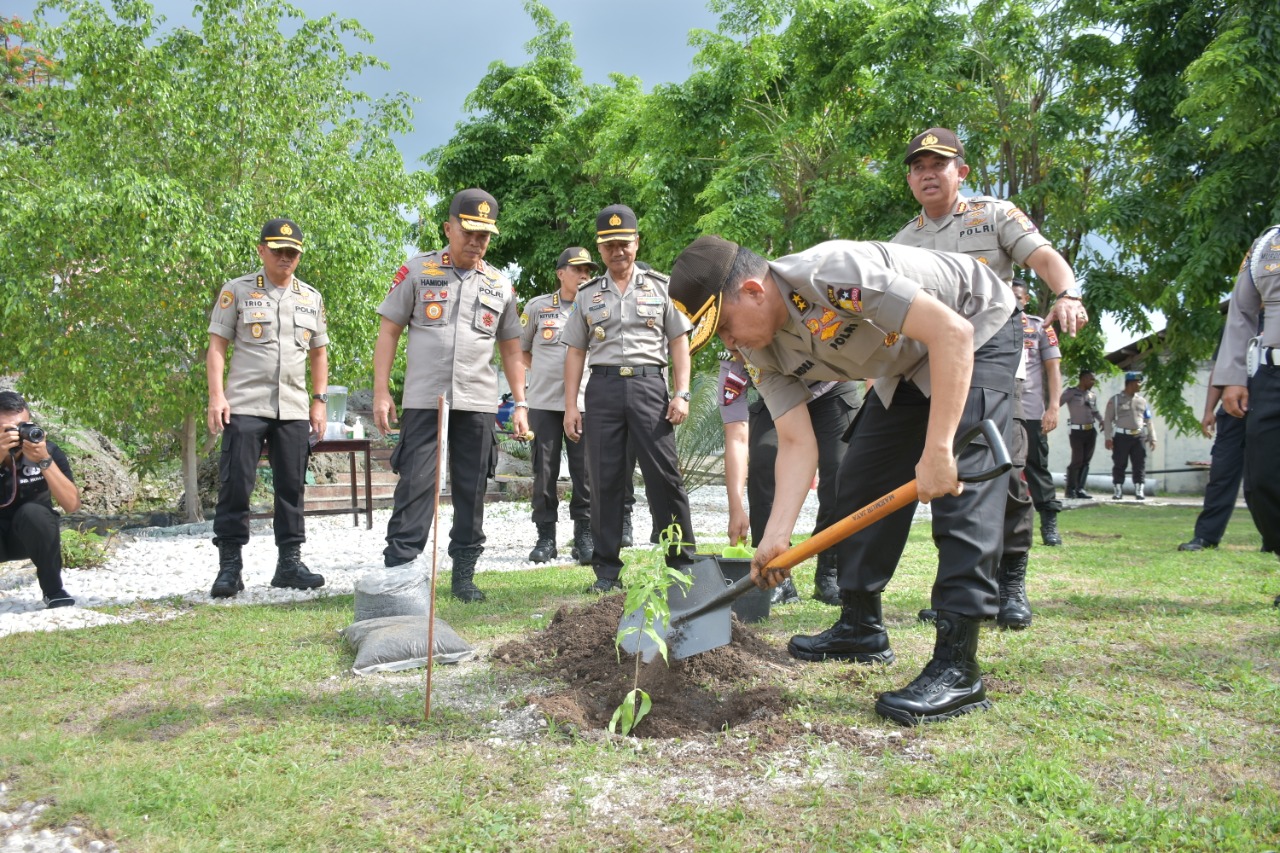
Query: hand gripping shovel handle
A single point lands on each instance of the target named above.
(869, 514)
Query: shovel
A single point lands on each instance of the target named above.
(701, 619)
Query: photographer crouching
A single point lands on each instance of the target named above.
(33, 473)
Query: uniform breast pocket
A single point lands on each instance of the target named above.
(431, 312)
(983, 247)
(304, 329)
(488, 310)
(596, 315)
(257, 328)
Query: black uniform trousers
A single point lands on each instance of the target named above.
(967, 528)
(548, 439)
(1226, 470)
(414, 459)
(1126, 449)
(1039, 480)
(1019, 515)
(34, 532)
(1262, 454)
(1083, 442)
(831, 415)
(287, 452)
(621, 408)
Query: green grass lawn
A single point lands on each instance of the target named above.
(1141, 711)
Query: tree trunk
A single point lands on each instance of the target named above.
(190, 464)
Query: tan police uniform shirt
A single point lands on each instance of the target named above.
(543, 322)
(992, 231)
(1082, 406)
(272, 330)
(1040, 343)
(631, 328)
(846, 302)
(455, 319)
(1257, 291)
(1129, 413)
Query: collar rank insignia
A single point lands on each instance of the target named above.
(296, 287)
(799, 301)
(444, 259)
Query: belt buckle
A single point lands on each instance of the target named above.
(625, 371)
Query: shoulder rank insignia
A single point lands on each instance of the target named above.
(799, 301)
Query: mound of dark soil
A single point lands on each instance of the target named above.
(726, 687)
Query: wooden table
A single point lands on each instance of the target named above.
(349, 446)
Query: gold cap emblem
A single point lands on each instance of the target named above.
(484, 208)
(583, 253)
(929, 140)
(286, 230)
(615, 220)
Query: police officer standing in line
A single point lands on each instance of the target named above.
(751, 449)
(277, 323)
(544, 318)
(1083, 419)
(457, 308)
(627, 320)
(937, 333)
(1226, 470)
(1127, 424)
(1040, 411)
(1248, 371)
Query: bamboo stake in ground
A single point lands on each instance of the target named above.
(442, 442)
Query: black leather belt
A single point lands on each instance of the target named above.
(627, 370)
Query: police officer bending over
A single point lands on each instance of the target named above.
(277, 323)
(457, 308)
(631, 327)
(936, 331)
(34, 472)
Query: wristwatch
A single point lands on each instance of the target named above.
(684, 395)
(320, 398)
(44, 463)
(520, 405)
(1071, 293)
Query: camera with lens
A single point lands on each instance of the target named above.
(28, 431)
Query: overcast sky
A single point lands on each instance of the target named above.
(437, 52)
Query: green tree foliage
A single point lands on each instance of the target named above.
(169, 149)
(1203, 185)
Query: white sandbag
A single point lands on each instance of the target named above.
(393, 643)
(399, 591)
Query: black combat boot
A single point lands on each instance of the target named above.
(291, 573)
(464, 572)
(825, 588)
(545, 549)
(1015, 610)
(1049, 528)
(228, 582)
(784, 593)
(951, 683)
(626, 540)
(584, 547)
(858, 635)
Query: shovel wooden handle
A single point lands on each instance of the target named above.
(895, 500)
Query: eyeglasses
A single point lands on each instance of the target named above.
(286, 253)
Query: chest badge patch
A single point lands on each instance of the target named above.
(434, 311)
(548, 334)
(891, 339)
(599, 333)
(256, 331)
(257, 294)
(825, 327)
(487, 318)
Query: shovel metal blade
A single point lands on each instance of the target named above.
(701, 617)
